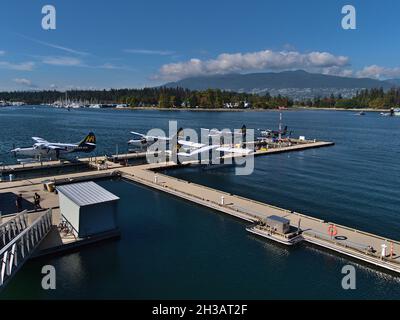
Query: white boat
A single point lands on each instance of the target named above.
(392, 113)
(288, 239)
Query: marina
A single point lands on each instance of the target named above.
(350, 242)
(248, 158)
(367, 247)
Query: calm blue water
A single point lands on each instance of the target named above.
(173, 249)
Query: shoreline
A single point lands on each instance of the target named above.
(257, 109)
(295, 108)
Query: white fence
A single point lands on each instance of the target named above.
(14, 254)
(10, 229)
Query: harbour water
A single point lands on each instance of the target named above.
(173, 249)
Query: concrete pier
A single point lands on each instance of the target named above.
(351, 242)
(357, 244)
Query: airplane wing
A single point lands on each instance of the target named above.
(138, 134)
(197, 151)
(150, 137)
(234, 150)
(40, 140)
(158, 138)
(190, 144)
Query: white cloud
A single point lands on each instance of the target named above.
(338, 71)
(150, 52)
(378, 72)
(22, 66)
(62, 61)
(24, 82)
(111, 66)
(253, 61)
(66, 61)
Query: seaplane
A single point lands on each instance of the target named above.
(275, 134)
(189, 149)
(145, 141)
(219, 133)
(43, 149)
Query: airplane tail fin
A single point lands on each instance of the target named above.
(88, 143)
(244, 132)
(180, 132)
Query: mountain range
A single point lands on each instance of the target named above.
(296, 84)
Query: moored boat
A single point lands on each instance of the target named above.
(277, 229)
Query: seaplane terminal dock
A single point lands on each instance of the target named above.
(39, 233)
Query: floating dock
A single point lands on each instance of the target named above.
(348, 241)
(373, 249)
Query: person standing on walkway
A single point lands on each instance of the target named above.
(36, 201)
(18, 203)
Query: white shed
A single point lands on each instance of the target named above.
(89, 208)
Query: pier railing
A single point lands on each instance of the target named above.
(11, 228)
(16, 252)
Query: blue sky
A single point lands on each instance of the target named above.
(121, 43)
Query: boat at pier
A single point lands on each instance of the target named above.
(277, 229)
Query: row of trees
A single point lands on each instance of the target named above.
(368, 98)
(152, 97)
(218, 99)
(178, 97)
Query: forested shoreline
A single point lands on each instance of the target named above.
(163, 97)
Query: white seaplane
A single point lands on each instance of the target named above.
(43, 149)
(189, 149)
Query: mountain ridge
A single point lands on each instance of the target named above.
(294, 82)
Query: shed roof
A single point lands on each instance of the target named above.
(86, 193)
(279, 219)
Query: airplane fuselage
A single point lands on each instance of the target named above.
(45, 149)
(44, 152)
(35, 152)
(142, 144)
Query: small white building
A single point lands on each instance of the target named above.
(89, 208)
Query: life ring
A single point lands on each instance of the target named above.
(332, 231)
